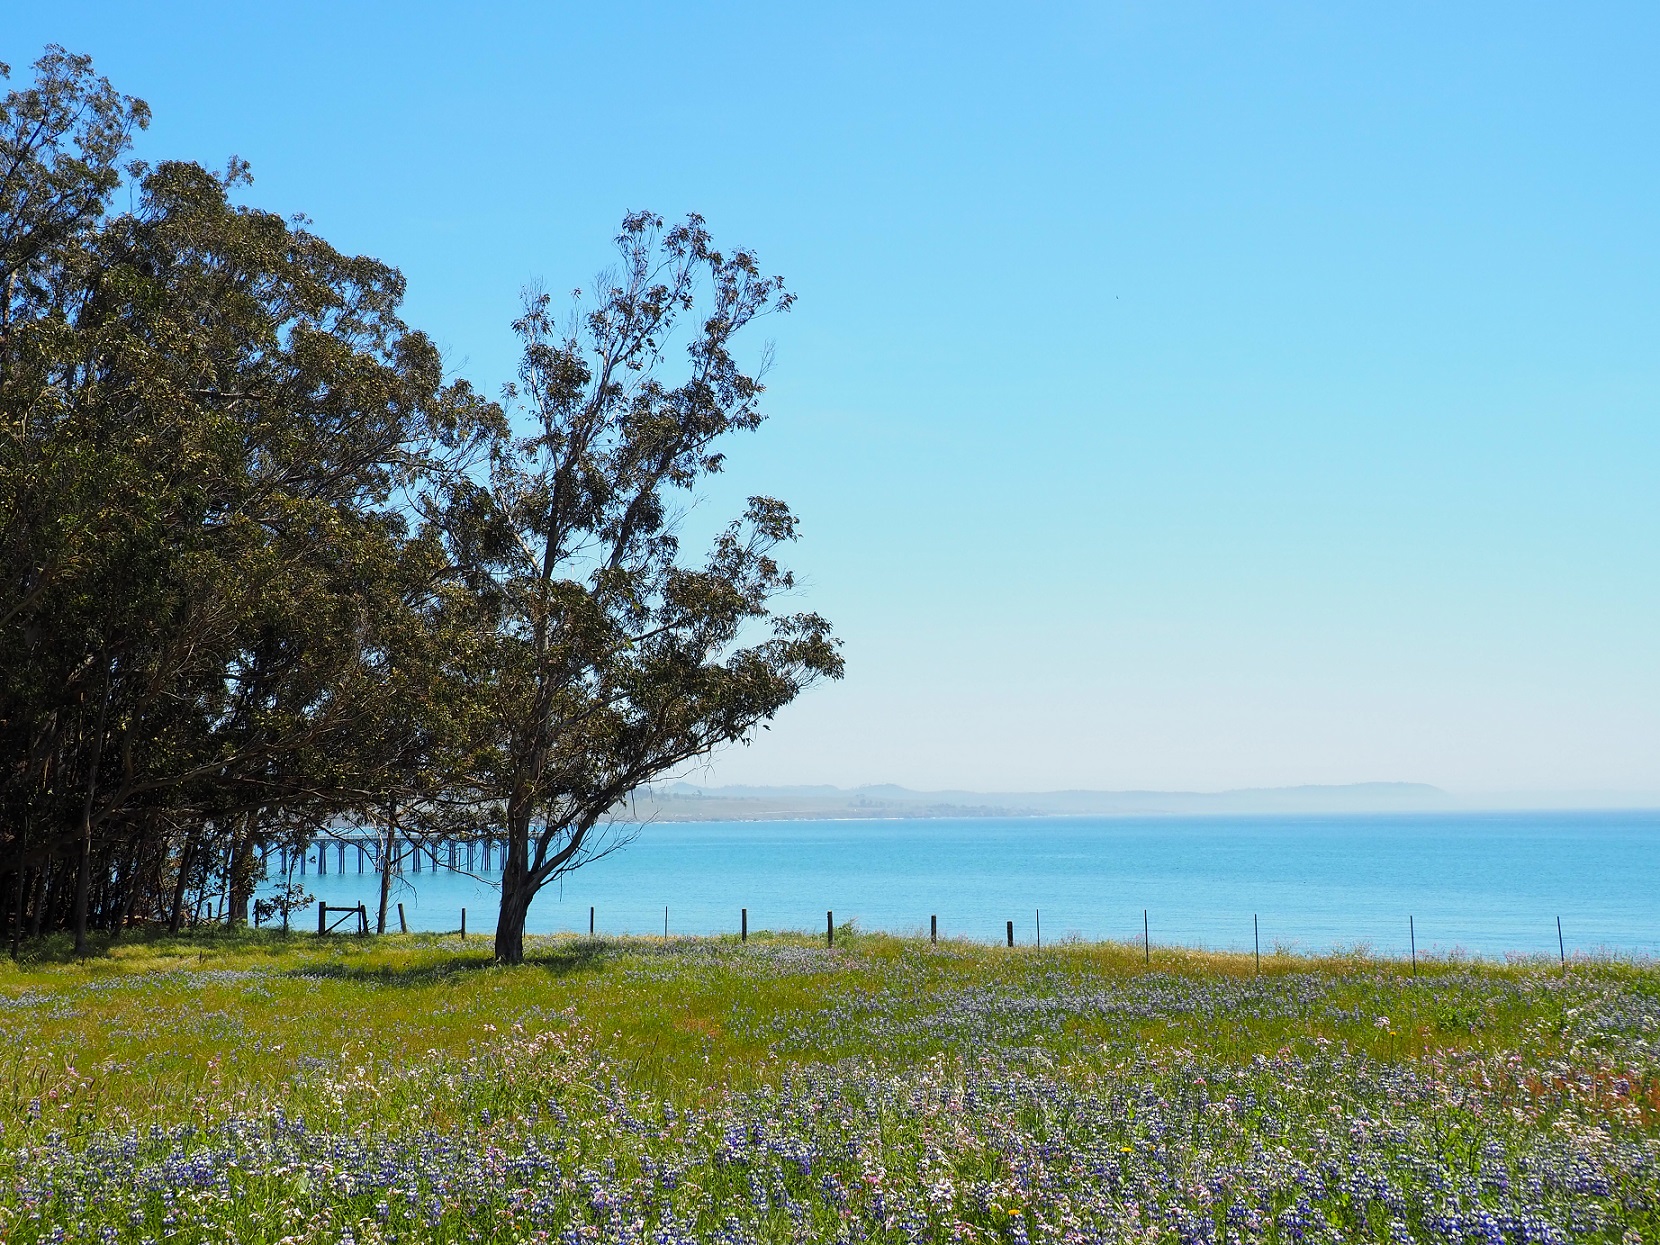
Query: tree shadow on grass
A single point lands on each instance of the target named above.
(563, 960)
(58, 949)
(266, 950)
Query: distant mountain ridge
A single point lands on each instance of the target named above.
(682, 801)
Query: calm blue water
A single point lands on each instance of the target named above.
(1485, 883)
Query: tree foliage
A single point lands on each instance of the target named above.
(614, 659)
(265, 568)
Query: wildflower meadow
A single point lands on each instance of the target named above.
(257, 1088)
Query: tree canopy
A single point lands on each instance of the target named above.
(267, 569)
(614, 659)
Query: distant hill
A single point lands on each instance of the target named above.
(682, 801)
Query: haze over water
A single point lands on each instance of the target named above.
(1487, 884)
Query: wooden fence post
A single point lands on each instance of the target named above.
(403, 925)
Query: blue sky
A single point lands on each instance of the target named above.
(1179, 396)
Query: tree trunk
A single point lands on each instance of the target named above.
(185, 861)
(518, 888)
(83, 877)
(22, 877)
(516, 895)
(242, 880)
(129, 897)
(388, 845)
(120, 901)
(40, 897)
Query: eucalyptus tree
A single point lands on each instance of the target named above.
(61, 143)
(615, 658)
(262, 565)
(215, 606)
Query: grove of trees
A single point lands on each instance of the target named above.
(265, 568)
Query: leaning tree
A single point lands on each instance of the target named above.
(615, 658)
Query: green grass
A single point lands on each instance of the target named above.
(695, 1014)
(255, 1005)
(422, 1037)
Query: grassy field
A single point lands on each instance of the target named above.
(262, 1089)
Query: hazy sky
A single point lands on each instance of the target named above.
(1179, 396)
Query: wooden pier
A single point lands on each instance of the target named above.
(473, 856)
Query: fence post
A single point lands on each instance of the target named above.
(1412, 933)
(1011, 933)
(934, 928)
(1146, 940)
(590, 920)
(1256, 938)
(829, 929)
(403, 925)
(362, 918)
(1037, 913)
(1561, 947)
(743, 926)
(322, 915)
(463, 925)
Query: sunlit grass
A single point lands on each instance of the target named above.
(422, 1037)
(678, 1018)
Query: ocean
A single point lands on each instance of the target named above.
(1486, 884)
